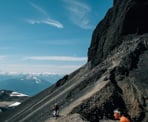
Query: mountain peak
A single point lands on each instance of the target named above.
(123, 19)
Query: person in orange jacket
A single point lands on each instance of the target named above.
(120, 117)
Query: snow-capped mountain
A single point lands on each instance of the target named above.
(29, 84)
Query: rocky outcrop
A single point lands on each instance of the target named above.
(115, 76)
(10, 99)
(124, 18)
(127, 86)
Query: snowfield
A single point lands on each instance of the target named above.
(17, 94)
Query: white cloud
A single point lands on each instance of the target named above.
(31, 64)
(50, 69)
(56, 58)
(45, 21)
(31, 21)
(39, 9)
(53, 23)
(79, 13)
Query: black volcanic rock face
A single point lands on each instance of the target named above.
(126, 17)
(136, 20)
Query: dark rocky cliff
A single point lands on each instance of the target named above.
(115, 76)
(124, 18)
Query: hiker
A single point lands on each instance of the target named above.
(119, 116)
(55, 110)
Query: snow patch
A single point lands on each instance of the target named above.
(36, 80)
(15, 104)
(17, 94)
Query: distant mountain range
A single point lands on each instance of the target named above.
(29, 84)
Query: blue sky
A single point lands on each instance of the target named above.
(47, 36)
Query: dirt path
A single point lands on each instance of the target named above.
(97, 86)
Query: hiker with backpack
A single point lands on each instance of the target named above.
(56, 110)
